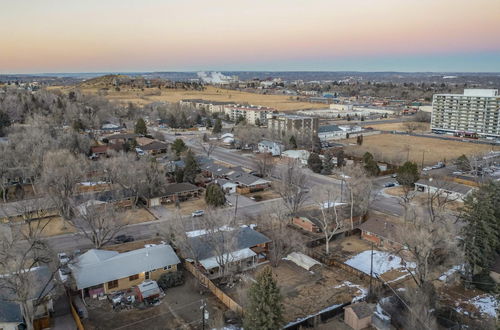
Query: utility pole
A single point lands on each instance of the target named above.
(203, 306)
(371, 273)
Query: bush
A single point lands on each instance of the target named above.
(257, 198)
(169, 280)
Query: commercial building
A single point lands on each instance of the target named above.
(251, 113)
(476, 112)
(282, 125)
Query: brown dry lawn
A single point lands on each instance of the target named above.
(396, 148)
(52, 226)
(279, 102)
(137, 215)
(423, 127)
(266, 194)
(187, 207)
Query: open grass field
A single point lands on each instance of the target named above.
(396, 149)
(137, 96)
(422, 127)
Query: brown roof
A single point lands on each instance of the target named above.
(361, 309)
(99, 149)
(142, 141)
(155, 145)
(382, 228)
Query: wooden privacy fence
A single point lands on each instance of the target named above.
(76, 317)
(205, 281)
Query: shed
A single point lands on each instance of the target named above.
(302, 260)
(358, 316)
(148, 290)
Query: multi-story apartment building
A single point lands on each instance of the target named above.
(210, 106)
(282, 125)
(251, 113)
(476, 112)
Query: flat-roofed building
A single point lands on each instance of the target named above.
(253, 114)
(282, 125)
(476, 112)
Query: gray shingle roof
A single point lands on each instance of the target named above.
(10, 312)
(97, 267)
(245, 237)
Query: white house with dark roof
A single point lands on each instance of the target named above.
(98, 272)
(272, 147)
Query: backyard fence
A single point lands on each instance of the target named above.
(205, 281)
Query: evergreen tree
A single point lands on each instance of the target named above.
(257, 122)
(407, 174)
(293, 142)
(214, 196)
(265, 308)
(140, 127)
(217, 126)
(4, 122)
(178, 146)
(316, 144)
(172, 122)
(179, 175)
(340, 158)
(481, 233)
(367, 157)
(191, 168)
(328, 164)
(314, 162)
(372, 167)
(463, 163)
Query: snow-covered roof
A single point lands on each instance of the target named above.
(238, 255)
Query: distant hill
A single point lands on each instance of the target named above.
(106, 81)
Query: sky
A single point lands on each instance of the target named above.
(230, 35)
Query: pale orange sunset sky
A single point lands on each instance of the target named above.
(153, 35)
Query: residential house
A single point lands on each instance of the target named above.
(40, 299)
(98, 272)
(272, 147)
(301, 156)
(155, 148)
(174, 192)
(452, 190)
(247, 182)
(112, 128)
(382, 233)
(227, 186)
(121, 138)
(247, 249)
(119, 197)
(358, 316)
(11, 316)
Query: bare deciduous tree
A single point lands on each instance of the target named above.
(264, 164)
(292, 187)
(27, 267)
(208, 147)
(275, 225)
(326, 198)
(359, 188)
(99, 223)
(61, 173)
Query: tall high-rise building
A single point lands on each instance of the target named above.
(475, 112)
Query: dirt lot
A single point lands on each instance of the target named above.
(305, 292)
(187, 207)
(423, 198)
(280, 102)
(53, 226)
(180, 307)
(420, 127)
(396, 148)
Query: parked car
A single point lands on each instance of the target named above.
(389, 184)
(123, 239)
(63, 258)
(198, 213)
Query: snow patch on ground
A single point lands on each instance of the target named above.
(450, 272)
(363, 291)
(486, 304)
(383, 262)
